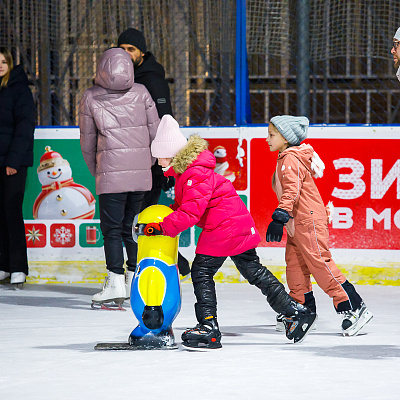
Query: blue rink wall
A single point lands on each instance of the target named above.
(63, 250)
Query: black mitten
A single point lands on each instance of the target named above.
(275, 229)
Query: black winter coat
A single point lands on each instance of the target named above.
(17, 121)
(151, 74)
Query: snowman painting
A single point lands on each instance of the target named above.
(61, 197)
(222, 164)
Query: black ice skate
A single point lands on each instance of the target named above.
(203, 336)
(280, 326)
(299, 324)
(353, 321)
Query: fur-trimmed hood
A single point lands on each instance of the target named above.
(190, 155)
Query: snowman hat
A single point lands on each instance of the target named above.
(169, 139)
(50, 159)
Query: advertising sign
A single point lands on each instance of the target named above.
(361, 178)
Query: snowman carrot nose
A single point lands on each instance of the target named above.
(54, 173)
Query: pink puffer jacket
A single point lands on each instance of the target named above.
(208, 200)
(118, 120)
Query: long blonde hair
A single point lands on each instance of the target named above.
(7, 55)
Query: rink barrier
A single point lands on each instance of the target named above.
(87, 272)
(364, 235)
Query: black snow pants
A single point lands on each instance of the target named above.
(205, 267)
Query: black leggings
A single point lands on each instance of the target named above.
(205, 267)
(13, 256)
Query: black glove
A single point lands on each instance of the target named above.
(275, 229)
(167, 183)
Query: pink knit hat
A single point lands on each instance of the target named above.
(169, 139)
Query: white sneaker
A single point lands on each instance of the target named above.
(353, 321)
(18, 277)
(113, 289)
(4, 275)
(128, 283)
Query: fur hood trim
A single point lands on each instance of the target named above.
(189, 153)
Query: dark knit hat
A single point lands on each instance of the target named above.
(134, 37)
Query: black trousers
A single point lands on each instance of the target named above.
(13, 256)
(117, 212)
(205, 267)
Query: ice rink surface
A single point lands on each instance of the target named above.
(48, 332)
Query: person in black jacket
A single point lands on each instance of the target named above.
(17, 126)
(151, 74)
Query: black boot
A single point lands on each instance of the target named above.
(298, 321)
(205, 335)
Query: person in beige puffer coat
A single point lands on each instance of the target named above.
(118, 121)
(303, 212)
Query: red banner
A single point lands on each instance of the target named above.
(361, 178)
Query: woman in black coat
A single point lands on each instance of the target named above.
(17, 125)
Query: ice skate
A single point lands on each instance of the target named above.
(18, 279)
(203, 336)
(113, 294)
(4, 275)
(128, 283)
(299, 324)
(280, 326)
(353, 321)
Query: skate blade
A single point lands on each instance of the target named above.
(191, 347)
(107, 306)
(281, 328)
(17, 286)
(131, 347)
(365, 318)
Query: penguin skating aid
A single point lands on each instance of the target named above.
(155, 291)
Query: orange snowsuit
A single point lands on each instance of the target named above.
(307, 248)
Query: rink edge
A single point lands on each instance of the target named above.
(94, 272)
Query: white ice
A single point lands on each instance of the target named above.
(48, 332)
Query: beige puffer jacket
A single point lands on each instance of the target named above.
(118, 120)
(295, 187)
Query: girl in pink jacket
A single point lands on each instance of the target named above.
(301, 209)
(208, 200)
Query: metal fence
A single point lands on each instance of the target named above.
(346, 62)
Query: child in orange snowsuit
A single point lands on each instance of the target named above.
(303, 213)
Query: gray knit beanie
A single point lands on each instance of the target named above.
(397, 34)
(293, 129)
